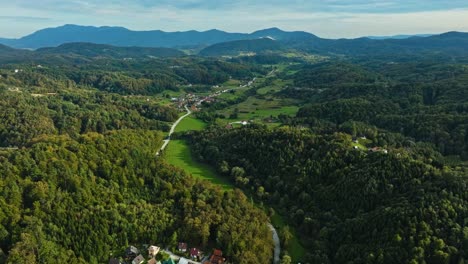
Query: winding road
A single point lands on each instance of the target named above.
(276, 240)
(166, 141)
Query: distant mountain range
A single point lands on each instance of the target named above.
(400, 36)
(218, 43)
(119, 36)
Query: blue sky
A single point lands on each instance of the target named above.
(326, 18)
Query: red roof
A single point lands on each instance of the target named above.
(194, 251)
(217, 257)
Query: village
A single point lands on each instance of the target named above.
(155, 255)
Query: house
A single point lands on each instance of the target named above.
(138, 260)
(152, 261)
(153, 251)
(183, 261)
(182, 247)
(378, 149)
(216, 258)
(131, 252)
(195, 253)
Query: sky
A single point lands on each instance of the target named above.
(325, 18)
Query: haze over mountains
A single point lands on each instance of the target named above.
(220, 43)
(119, 36)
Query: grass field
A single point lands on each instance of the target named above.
(295, 249)
(254, 108)
(190, 123)
(276, 86)
(178, 154)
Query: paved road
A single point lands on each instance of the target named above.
(276, 240)
(166, 141)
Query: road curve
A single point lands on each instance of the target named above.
(173, 127)
(276, 240)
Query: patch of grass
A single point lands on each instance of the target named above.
(276, 86)
(295, 248)
(190, 123)
(362, 143)
(178, 154)
(261, 114)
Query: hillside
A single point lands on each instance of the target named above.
(101, 50)
(233, 48)
(348, 205)
(455, 43)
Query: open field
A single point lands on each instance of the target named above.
(190, 123)
(178, 154)
(275, 86)
(259, 109)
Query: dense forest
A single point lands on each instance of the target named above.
(425, 101)
(25, 116)
(371, 167)
(348, 205)
(127, 77)
(80, 180)
(78, 200)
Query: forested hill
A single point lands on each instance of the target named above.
(234, 48)
(84, 51)
(129, 77)
(82, 200)
(422, 100)
(100, 50)
(347, 204)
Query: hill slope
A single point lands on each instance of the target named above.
(233, 48)
(101, 50)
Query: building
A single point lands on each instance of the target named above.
(216, 258)
(182, 247)
(131, 252)
(138, 260)
(153, 261)
(195, 253)
(153, 251)
(378, 149)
